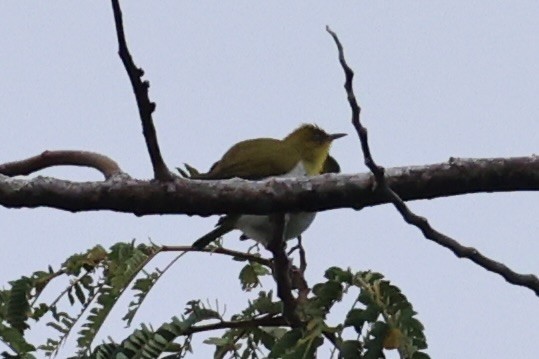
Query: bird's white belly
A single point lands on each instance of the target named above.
(261, 228)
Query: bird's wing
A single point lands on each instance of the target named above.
(254, 160)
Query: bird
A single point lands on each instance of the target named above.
(304, 152)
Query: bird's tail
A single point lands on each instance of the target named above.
(225, 225)
(206, 239)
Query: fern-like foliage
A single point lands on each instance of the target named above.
(147, 343)
(122, 264)
(381, 316)
(142, 286)
(380, 319)
(385, 318)
(97, 279)
(18, 304)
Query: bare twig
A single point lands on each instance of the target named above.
(526, 280)
(145, 106)
(281, 271)
(100, 162)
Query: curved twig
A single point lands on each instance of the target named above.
(526, 280)
(100, 162)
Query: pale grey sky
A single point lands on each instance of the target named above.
(435, 79)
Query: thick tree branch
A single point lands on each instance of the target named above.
(145, 106)
(526, 280)
(330, 191)
(100, 162)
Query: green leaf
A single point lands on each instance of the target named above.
(420, 355)
(356, 318)
(285, 343)
(328, 292)
(339, 275)
(375, 341)
(350, 349)
(264, 305)
(79, 293)
(220, 342)
(249, 275)
(15, 339)
(39, 311)
(18, 306)
(248, 278)
(143, 286)
(267, 337)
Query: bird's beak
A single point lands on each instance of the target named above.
(336, 135)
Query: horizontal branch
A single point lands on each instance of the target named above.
(330, 191)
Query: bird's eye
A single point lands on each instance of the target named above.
(319, 137)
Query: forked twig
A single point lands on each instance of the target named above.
(526, 280)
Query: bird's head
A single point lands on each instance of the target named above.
(313, 144)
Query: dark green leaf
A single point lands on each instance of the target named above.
(355, 318)
(286, 342)
(350, 349)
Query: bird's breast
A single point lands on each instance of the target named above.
(299, 170)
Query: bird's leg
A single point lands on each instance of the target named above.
(302, 261)
(255, 247)
(297, 274)
(293, 249)
(281, 271)
(302, 258)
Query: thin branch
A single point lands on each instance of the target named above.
(100, 162)
(333, 339)
(281, 270)
(43, 284)
(219, 250)
(526, 280)
(85, 306)
(319, 193)
(252, 323)
(67, 289)
(145, 106)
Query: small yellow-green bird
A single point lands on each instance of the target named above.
(304, 152)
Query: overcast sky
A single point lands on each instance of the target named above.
(435, 79)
